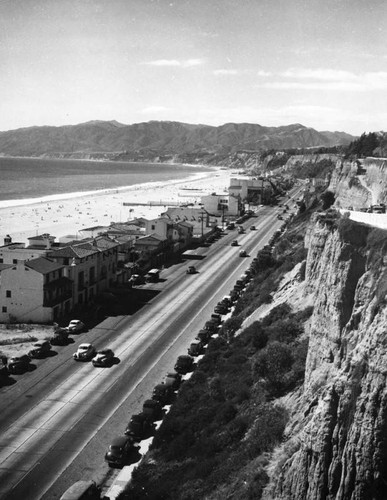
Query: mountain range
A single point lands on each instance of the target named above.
(161, 138)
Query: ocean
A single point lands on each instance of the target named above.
(28, 178)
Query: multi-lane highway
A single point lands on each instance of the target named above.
(57, 421)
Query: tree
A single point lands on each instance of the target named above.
(328, 199)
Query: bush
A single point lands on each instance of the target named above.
(267, 429)
(285, 330)
(254, 335)
(230, 327)
(273, 363)
(279, 312)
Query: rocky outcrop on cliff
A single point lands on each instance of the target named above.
(337, 441)
(360, 183)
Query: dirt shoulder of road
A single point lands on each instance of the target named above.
(16, 340)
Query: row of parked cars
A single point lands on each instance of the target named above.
(142, 425)
(40, 349)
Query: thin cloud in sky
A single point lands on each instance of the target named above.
(319, 74)
(186, 63)
(225, 72)
(327, 79)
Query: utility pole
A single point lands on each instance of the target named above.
(202, 220)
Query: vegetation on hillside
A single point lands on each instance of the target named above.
(214, 442)
(225, 418)
(311, 170)
(366, 145)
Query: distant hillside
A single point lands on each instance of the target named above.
(154, 138)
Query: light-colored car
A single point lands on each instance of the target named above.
(76, 326)
(85, 352)
(104, 357)
(242, 253)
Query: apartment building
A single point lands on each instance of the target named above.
(35, 291)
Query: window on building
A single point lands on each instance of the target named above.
(14, 261)
(1, 261)
(153, 227)
(8, 293)
(4, 309)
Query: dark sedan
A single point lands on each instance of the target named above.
(40, 349)
(119, 450)
(19, 364)
(139, 427)
(104, 357)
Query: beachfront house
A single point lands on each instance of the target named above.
(254, 191)
(34, 291)
(222, 205)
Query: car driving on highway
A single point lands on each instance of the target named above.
(85, 352)
(104, 357)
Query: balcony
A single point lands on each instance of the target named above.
(57, 291)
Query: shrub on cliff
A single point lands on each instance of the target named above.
(328, 199)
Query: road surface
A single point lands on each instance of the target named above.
(57, 421)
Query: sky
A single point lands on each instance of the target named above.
(321, 63)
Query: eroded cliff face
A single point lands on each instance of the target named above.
(337, 442)
(359, 183)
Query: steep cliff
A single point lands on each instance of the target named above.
(337, 440)
(360, 183)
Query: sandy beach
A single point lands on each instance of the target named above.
(64, 215)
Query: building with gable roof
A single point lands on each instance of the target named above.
(35, 291)
(197, 216)
(91, 264)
